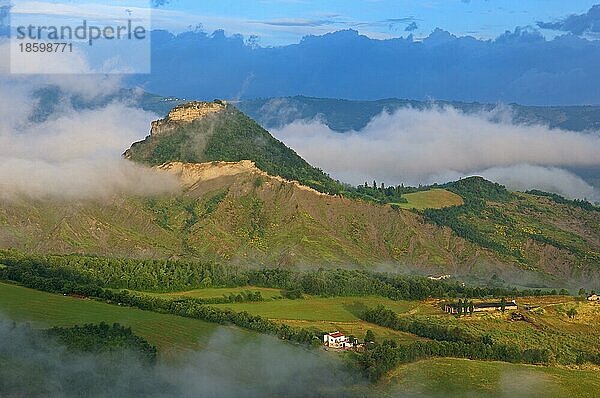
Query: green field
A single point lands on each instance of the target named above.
(341, 309)
(432, 199)
(167, 332)
(446, 377)
(335, 313)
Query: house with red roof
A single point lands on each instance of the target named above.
(338, 340)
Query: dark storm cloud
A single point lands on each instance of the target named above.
(576, 24)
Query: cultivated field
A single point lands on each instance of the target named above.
(42, 309)
(447, 377)
(334, 313)
(432, 199)
(544, 325)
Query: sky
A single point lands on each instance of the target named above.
(282, 22)
(279, 22)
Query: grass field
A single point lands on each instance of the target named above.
(267, 293)
(340, 309)
(41, 309)
(335, 313)
(446, 377)
(432, 199)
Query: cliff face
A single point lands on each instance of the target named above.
(186, 113)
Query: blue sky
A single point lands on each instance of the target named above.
(286, 21)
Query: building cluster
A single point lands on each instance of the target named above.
(454, 308)
(593, 297)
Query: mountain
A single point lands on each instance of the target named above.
(340, 115)
(344, 115)
(199, 132)
(241, 203)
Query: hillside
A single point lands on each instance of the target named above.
(236, 213)
(200, 132)
(248, 199)
(538, 231)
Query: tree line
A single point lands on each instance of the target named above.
(176, 275)
(382, 358)
(582, 204)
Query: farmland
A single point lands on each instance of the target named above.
(545, 325)
(327, 314)
(431, 199)
(334, 313)
(167, 332)
(445, 377)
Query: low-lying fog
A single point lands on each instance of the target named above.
(73, 154)
(232, 364)
(414, 147)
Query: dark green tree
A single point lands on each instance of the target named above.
(369, 336)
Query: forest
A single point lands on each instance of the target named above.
(178, 275)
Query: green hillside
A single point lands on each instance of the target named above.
(537, 230)
(46, 310)
(243, 213)
(448, 377)
(228, 135)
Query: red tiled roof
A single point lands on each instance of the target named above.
(336, 335)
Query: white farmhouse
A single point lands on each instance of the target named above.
(337, 340)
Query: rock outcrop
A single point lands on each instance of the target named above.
(187, 113)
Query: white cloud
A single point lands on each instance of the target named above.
(435, 145)
(74, 154)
